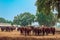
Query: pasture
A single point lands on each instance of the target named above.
(15, 35)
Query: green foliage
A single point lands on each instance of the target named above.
(43, 6)
(44, 19)
(2, 20)
(7, 21)
(47, 5)
(24, 19)
(44, 15)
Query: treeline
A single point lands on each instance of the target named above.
(3, 20)
(22, 19)
(27, 18)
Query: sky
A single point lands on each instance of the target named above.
(11, 8)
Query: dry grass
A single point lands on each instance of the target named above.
(15, 35)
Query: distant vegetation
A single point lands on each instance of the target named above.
(44, 19)
(24, 19)
(3, 20)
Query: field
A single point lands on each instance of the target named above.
(15, 35)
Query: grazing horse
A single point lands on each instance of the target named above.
(21, 29)
(37, 30)
(2, 28)
(7, 29)
(24, 30)
(43, 31)
(27, 30)
(48, 30)
(12, 28)
(52, 30)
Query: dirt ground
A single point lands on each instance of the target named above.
(15, 35)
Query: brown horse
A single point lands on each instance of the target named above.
(21, 29)
(37, 31)
(48, 30)
(2, 28)
(7, 29)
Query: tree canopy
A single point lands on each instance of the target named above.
(44, 7)
(47, 5)
(44, 19)
(3, 20)
(24, 19)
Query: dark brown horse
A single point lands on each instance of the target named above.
(48, 30)
(24, 30)
(2, 28)
(37, 30)
(7, 28)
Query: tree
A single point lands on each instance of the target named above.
(8, 21)
(44, 19)
(24, 19)
(2, 20)
(43, 6)
(47, 5)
